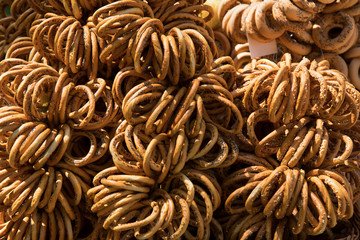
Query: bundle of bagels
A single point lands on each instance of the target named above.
(147, 119)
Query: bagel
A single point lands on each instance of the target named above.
(354, 68)
(250, 25)
(336, 62)
(287, 24)
(294, 13)
(323, 27)
(304, 36)
(224, 7)
(309, 6)
(352, 53)
(231, 24)
(270, 28)
(354, 10)
(338, 6)
(294, 45)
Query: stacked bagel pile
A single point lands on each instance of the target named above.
(317, 29)
(302, 126)
(112, 115)
(128, 119)
(298, 25)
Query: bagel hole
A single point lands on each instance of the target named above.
(269, 19)
(68, 189)
(87, 229)
(334, 32)
(214, 151)
(81, 147)
(7, 11)
(262, 129)
(343, 228)
(100, 105)
(145, 105)
(356, 148)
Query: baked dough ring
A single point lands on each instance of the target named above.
(225, 6)
(250, 24)
(304, 36)
(338, 6)
(232, 23)
(352, 53)
(294, 13)
(352, 42)
(354, 68)
(288, 25)
(223, 43)
(326, 1)
(336, 61)
(309, 6)
(269, 29)
(354, 10)
(326, 23)
(294, 45)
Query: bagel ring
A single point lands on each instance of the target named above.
(322, 31)
(336, 62)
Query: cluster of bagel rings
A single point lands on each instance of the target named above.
(353, 57)
(129, 117)
(132, 206)
(59, 109)
(260, 227)
(176, 44)
(265, 20)
(135, 153)
(299, 26)
(42, 148)
(78, 8)
(37, 90)
(76, 46)
(34, 201)
(48, 96)
(301, 124)
(210, 89)
(16, 25)
(35, 143)
(286, 102)
(289, 91)
(159, 145)
(281, 198)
